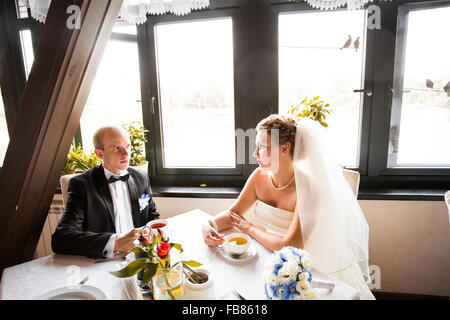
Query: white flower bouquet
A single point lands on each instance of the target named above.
(287, 275)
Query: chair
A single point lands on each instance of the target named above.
(353, 179)
(43, 248)
(64, 181)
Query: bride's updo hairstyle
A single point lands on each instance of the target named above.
(287, 128)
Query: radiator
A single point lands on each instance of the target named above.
(44, 247)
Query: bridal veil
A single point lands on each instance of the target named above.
(335, 231)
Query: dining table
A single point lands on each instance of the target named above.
(33, 279)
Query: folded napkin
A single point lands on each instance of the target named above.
(130, 289)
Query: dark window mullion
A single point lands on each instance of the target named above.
(152, 94)
(12, 72)
(145, 67)
(368, 101)
(78, 140)
(383, 66)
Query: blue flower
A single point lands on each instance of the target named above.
(274, 291)
(277, 267)
(297, 253)
(290, 290)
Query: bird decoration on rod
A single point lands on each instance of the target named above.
(347, 43)
(447, 89)
(356, 44)
(430, 85)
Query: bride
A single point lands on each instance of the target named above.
(300, 198)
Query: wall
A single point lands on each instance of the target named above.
(409, 240)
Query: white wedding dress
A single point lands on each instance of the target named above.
(270, 218)
(277, 221)
(334, 229)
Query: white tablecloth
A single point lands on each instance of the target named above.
(32, 279)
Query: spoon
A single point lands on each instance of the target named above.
(84, 280)
(233, 255)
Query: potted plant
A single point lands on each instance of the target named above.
(314, 109)
(78, 161)
(138, 138)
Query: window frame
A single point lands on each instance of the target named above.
(12, 73)
(384, 63)
(376, 111)
(115, 36)
(365, 105)
(254, 31)
(152, 118)
(402, 20)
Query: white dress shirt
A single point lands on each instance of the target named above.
(122, 210)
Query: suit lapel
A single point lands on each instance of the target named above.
(102, 184)
(134, 199)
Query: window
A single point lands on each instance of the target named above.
(209, 75)
(194, 114)
(27, 50)
(122, 27)
(4, 136)
(322, 54)
(115, 96)
(420, 119)
(195, 79)
(21, 8)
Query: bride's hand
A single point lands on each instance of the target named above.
(239, 222)
(211, 236)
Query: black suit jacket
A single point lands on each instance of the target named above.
(88, 220)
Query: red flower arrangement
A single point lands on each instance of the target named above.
(155, 248)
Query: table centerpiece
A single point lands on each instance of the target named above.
(153, 257)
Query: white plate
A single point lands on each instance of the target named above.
(77, 292)
(251, 252)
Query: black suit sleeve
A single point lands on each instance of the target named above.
(69, 237)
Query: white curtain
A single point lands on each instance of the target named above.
(133, 11)
(333, 4)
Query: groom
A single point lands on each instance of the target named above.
(107, 204)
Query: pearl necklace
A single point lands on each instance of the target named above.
(281, 188)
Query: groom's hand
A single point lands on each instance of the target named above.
(124, 243)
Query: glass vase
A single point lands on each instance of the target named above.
(168, 285)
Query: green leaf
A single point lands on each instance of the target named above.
(177, 246)
(149, 272)
(137, 250)
(192, 263)
(170, 269)
(131, 269)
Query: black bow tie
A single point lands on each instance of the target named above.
(122, 178)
